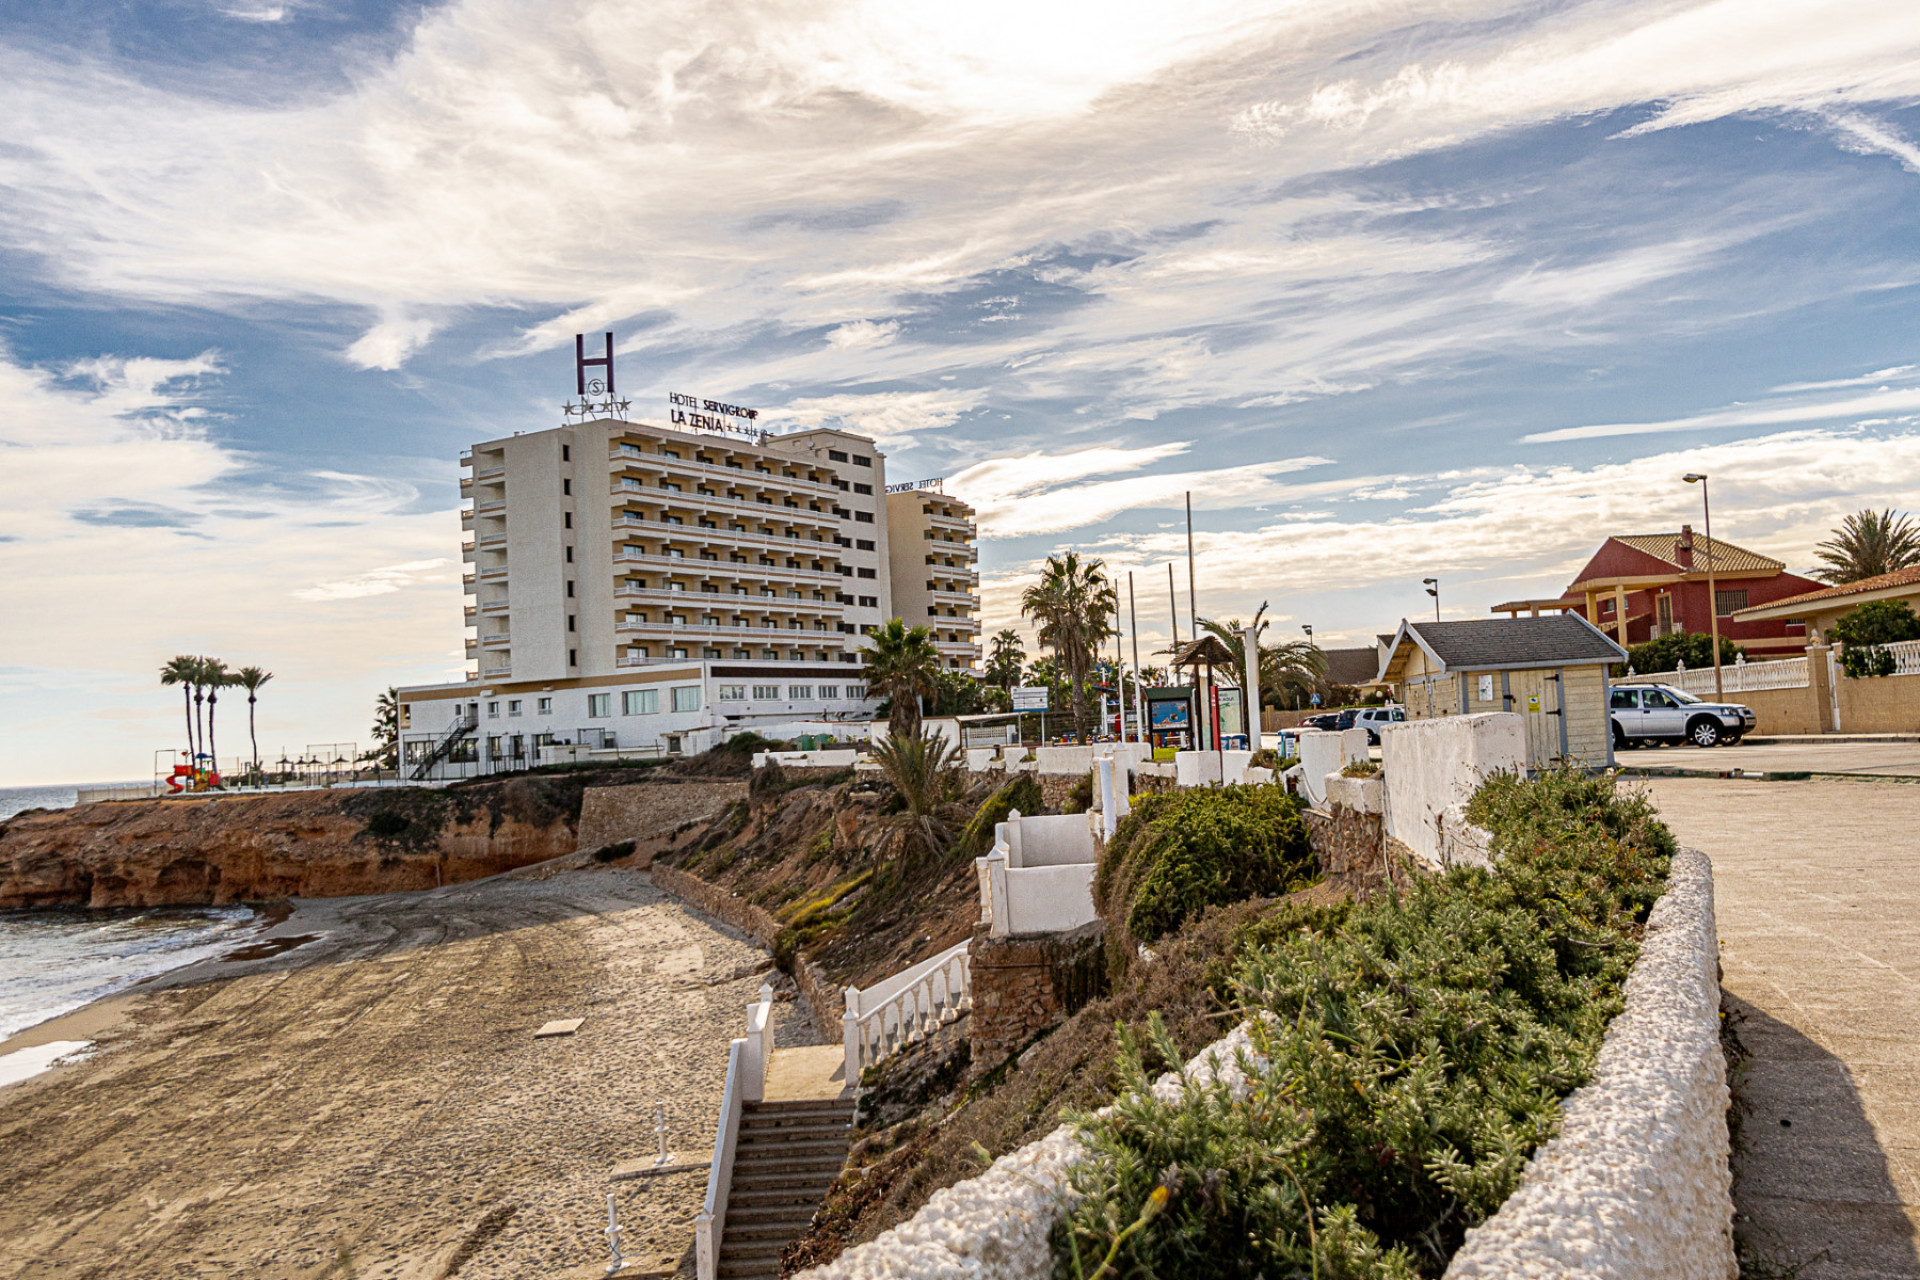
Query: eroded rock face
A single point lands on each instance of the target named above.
(312, 844)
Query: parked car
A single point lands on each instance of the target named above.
(1371, 718)
(1325, 720)
(1648, 713)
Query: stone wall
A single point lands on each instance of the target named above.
(609, 815)
(825, 998)
(1022, 986)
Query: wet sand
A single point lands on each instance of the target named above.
(373, 1103)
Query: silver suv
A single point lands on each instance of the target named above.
(1371, 718)
(1649, 713)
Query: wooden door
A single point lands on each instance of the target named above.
(1537, 698)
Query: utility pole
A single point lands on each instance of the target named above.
(1713, 590)
(1133, 619)
(1193, 608)
(1173, 605)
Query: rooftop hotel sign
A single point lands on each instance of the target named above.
(701, 414)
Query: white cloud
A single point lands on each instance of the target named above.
(388, 344)
(890, 417)
(129, 532)
(1868, 136)
(1886, 400)
(863, 335)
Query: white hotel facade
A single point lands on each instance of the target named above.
(639, 589)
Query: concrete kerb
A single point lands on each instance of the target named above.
(1636, 1185)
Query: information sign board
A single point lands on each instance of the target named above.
(1031, 697)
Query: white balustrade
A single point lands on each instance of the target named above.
(1906, 657)
(747, 1061)
(1740, 677)
(905, 1008)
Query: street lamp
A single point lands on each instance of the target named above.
(1713, 592)
(1433, 589)
(1308, 628)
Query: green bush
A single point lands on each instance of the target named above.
(1862, 632)
(1666, 653)
(1180, 852)
(1022, 792)
(1416, 1049)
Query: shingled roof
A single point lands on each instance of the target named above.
(1505, 644)
(1726, 557)
(1885, 581)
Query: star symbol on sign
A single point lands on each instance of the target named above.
(568, 409)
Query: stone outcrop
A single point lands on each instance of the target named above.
(312, 844)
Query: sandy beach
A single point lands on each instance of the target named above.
(373, 1102)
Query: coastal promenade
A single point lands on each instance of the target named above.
(374, 1102)
(1818, 898)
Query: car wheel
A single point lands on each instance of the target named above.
(1619, 738)
(1704, 733)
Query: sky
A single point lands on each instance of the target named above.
(1394, 290)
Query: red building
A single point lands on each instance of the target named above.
(1639, 586)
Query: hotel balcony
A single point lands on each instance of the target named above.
(467, 581)
(496, 574)
(494, 606)
(501, 641)
(627, 458)
(500, 672)
(725, 544)
(958, 599)
(954, 523)
(721, 572)
(491, 541)
(473, 647)
(691, 505)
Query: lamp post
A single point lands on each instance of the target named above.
(1433, 589)
(1713, 591)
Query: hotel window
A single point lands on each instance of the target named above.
(599, 706)
(767, 692)
(866, 573)
(573, 657)
(864, 544)
(566, 487)
(870, 602)
(856, 691)
(569, 619)
(640, 702)
(566, 454)
(686, 697)
(863, 488)
(828, 692)
(733, 693)
(544, 707)
(800, 692)
(566, 519)
(678, 653)
(637, 651)
(836, 455)
(569, 591)
(859, 461)
(864, 517)
(569, 555)
(513, 707)
(493, 711)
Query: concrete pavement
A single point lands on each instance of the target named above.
(1818, 900)
(1884, 758)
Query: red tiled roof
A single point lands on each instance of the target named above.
(1724, 555)
(1898, 578)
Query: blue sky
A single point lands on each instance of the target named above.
(1394, 289)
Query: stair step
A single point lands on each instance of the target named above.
(797, 1125)
(744, 1197)
(794, 1142)
(760, 1215)
(772, 1235)
(738, 1251)
(811, 1104)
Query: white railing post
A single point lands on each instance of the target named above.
(997, 888)
(710, 1223)
(1109, 806)
(850, 1035)
(759, 1051)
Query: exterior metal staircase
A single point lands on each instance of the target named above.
(462, 726)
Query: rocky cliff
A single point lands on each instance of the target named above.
(308, 844)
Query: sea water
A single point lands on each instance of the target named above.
(15, 799)
(53, 962)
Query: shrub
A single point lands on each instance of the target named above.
(1866, 629)
(1361, 769)
(1414, 1051)
(1080, 795)
(1022, 792)
(1179, 852)
(1666, 653)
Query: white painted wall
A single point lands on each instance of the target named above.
(1049, 840)
(1064, 759)
(1432, 769)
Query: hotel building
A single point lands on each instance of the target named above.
(640, 588)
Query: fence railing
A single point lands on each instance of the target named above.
(905, 1008)
(747, 1060)
(1736, 677)
(1906, 657)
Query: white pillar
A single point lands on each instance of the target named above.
(1109, 806)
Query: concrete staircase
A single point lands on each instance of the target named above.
(788, 1154)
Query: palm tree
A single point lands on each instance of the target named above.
(183, 669)
(1868, 544)
(1075, 605)
(924, 769)
(385, 753)
(250, 679)
(1294, 668)
(903, 665)
(1007, 659)
(215, 676)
